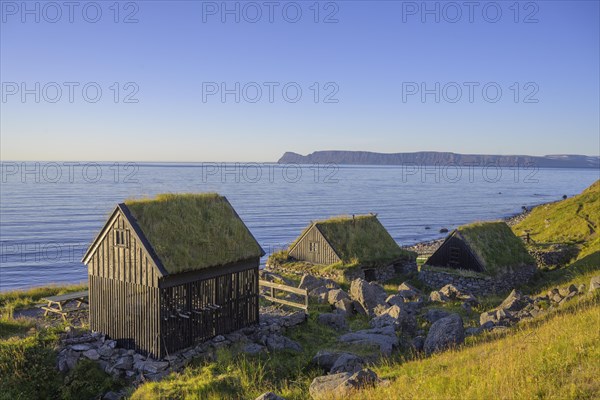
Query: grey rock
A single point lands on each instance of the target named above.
(515, 301)
(154, 367)
(394, 300)
(310, 283)
(253, 348)
(339, 385)
(384, 337)
(293, 319)
(325, 359)
(344, 306)
(218, 338)
(390, 317)
(368, 294)
(269, 396)
(438, 297)
(433, 315)
(488, 317)
(81, 347)
(279, 342)
(347, 362)
(125, 362)
(444, 333)
(594, 283)
(472, 331)
(92, 354)
(418, 342)
(105, 351)
(566, 291)
(333, 320)
(112, 396)
(335, 295)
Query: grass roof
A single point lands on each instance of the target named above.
(193, 231)
(495, 245)
(360, 239)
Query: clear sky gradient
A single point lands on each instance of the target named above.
(374, 56)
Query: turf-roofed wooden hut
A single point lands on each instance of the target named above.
(359, 240)
(488, 247)
(167, 272)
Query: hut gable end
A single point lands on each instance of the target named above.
(312, 246)
(119, 252)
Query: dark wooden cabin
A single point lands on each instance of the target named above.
(360, 239)
(487, 247)
(168, 272)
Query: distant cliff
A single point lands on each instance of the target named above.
(439, 158)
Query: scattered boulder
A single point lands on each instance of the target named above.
(418, 342)
(293, 319)
(408, 292)
(515, 301)
(347, 362)
(278, 342)
(310, 283)
(385, 338)
(253, 348)
(338, 385)
(394, 300)
(400, 318)
(473, 331)
(269, 396)
(437, 296)
(594, 283)
(335, 295)
(92, 354)
(433, 315)
(344, 306)
(444, 333)
(488, 317)
(336, 321)
(154, 367)
(368, 294)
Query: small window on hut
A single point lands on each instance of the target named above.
(313, 247)
(121, 237)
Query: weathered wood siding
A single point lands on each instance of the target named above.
(126, 312)
(324, 254)
(454, 253)
(127, 264)
(195, 311)
(132, 304)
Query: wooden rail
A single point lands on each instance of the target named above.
(284, 288)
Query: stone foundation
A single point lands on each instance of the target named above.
(480, 285)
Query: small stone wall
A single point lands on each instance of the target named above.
(478, 286)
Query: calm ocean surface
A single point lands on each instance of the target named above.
(49, 212)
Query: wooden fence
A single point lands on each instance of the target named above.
(271, 294)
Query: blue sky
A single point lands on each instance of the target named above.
(371, 61)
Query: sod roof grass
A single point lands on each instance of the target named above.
(495, 245)
(360, 239)
(193, 231)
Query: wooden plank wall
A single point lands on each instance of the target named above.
(441, 257)
(196, 311)
(127, 264)
(325, 254)
(128, 313)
